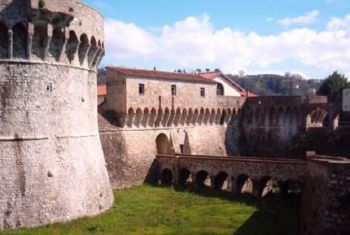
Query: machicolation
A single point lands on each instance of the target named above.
(52, 165)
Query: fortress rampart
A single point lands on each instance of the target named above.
(52, 163)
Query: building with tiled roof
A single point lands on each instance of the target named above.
(226, 86)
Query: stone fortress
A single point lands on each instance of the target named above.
(52, 164)
(153, 125)
(192, 122)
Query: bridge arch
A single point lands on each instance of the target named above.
(167, 177)
(220, 181)
(202, 178)
(184, 176)
(265, 186)
(291, 187)
(244, 184)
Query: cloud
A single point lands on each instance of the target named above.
(194, 42)
(308, 18)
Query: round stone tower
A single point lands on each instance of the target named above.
(51, 162)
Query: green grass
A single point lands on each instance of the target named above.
(157, 210)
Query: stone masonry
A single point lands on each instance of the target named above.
(52, 165)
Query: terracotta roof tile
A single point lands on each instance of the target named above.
(248, 94)
(101, 90)
(161, 75)
(210, 75)
(213, 75)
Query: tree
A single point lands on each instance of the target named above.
(333, 87)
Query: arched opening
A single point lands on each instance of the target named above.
(280, 116)
(220, 181)
(289, 116)
(3, 41)
(218, 116)
(212, 116)
(223, 117)
(159, 118)
(145, 117)
(171, 118)
(206, 116)
(184, 177)
(228, 116)
(92, 51)
(220, 89)
(19, 41)
(72, 46)
(203, 179)
(163, 144)
(201, 116)
(273, 118)
(167, 177)
(57, 43)
(244, 184)
(183, 117)
(265, 186)
(166, 117)
(260, 116)
(195, 117)
(189, 116)
(138, 117)
(130, 117)
(39, 41)
(177, 116)
(83, 47)
(152, 117)
(291, 187)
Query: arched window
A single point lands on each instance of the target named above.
(220, 89)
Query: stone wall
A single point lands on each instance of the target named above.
(272, 126)
(326, 198)
(52, 165)
(231, 173)
(130, 152)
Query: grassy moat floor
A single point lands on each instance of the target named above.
(157, 210)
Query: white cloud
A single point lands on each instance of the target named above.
(195, 43)
(308, 18)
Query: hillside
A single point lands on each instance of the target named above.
(274, 85)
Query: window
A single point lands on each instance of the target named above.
(202, 92)
(219, 89)
(173, 89)
(141, 89)
(49, 87)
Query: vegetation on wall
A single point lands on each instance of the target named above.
(41, 4)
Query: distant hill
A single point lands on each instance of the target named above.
(277, 85)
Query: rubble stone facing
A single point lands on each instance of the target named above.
(326, 198)
(52, 165)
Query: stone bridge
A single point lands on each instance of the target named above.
(238, 174)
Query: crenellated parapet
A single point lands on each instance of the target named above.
(62, 32)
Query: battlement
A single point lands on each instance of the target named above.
(59, 32)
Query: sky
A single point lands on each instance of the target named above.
(306, 37)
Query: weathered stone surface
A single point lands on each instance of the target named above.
(52, 165)
(326, 198)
